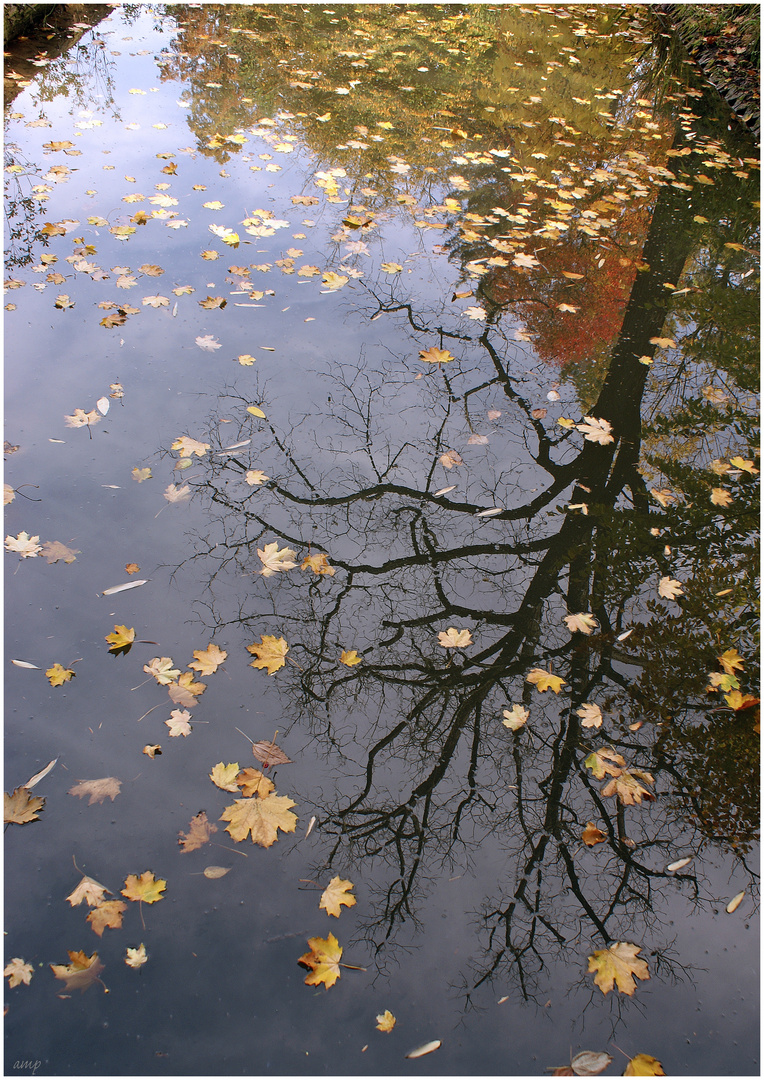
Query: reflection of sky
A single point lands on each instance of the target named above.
(219, 995)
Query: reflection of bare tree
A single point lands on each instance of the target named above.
(425, 771)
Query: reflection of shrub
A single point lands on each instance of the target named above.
(720, 764)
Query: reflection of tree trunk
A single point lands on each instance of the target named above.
(668, 244)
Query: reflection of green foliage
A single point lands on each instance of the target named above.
(719, 762)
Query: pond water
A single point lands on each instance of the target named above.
(404, 361)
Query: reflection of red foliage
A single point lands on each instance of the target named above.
(563, 337)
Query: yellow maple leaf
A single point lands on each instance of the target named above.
(208, 660)
(81, 972)
(731, 660)
(738, 701)
(619, 965)
(605, 762)
(270, 653)
(21, 807)
(337, 892)
(18, 971)
(186, 682)
(107, 914)
(121, 639)
(628, 788)
(199, 831)
(145, 888)
(349, 657)
(58, 675)
(385, 1021)
(262, 818)
(644, 1065)
(433, 355)
(545, 680)
(224, 776)
(323, 961)
(744, 464)
(720, 497)
(253, 782)
(319, 564)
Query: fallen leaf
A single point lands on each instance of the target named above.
(270, 652)
(515, 717)
(54, 550)
(80, 418)
(669, 588)
(597, 431)
(455, 639)
(604, 762)
(628, 785)
(253, 782)
(224, 776)
(174, 493)
(582, 623)
(735, 902)
(744, 464)
(591, 715)
(592, 835)
(208, 660)
(97, 790)
(262, 818)
(18, 972)
(215, 872)
(121, 639)
(426, 1049)
(25, 545)
(434, 355)
(270, 754)
(349, 657)
(136, 958)
(107, 915)
(178, 724)
(81, 971)
(256, 411)
(618, 965)
(337, 892)
(255, 476)
(449, 459)
(663, 342)
(545, 680)
(385, 1021)
(89, 890)
(323, 960)
(152, 750)
(731, 661)
(21, 807)
(145, 888)
(207, 341)
(132, 568)
(199, 831)
(162, 670)
(58, 675)
(590, 1063)
(644, 1064)
(720, 497)
(318, 563)
(275, 559)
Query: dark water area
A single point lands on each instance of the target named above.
(408, 358)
